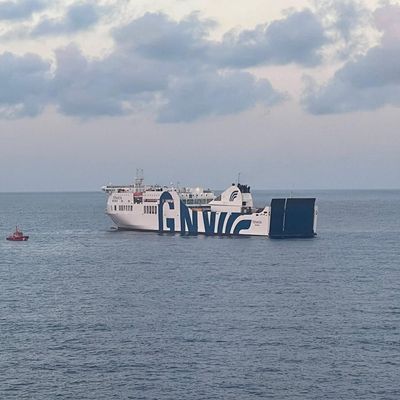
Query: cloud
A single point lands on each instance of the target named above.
(297, 38)
(369, 82)
(21, 9)
(121, 83)
(342, 17)
(78, 17)
(173, 69)
(345, 23)
(213, 93)
(24, 82)
(161, 65)
(156, 36)
(109, 86)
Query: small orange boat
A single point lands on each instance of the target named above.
(18, 236)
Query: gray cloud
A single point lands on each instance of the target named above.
(162, 65)
(298, 38)
(78, 17)
(213, 93)
(108, 86)
(370, 81)
(156, 36)
(342, 17)
(345, 22)
(21, 9)
(123, 82)
(24, 82)
(172, 68)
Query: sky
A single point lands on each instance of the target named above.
(292, 94)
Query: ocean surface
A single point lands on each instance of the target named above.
(90, 313)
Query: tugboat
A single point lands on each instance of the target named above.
(18, 236)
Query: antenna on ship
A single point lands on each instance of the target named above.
(139, 179)
(238, 178)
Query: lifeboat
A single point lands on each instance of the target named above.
(18, 236)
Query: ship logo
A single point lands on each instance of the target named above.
(234, 195)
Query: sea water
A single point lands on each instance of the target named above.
(90, 313)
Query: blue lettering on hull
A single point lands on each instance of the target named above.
(209, 222)
(189, 220)
(165, 198)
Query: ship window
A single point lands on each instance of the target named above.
(150, 209)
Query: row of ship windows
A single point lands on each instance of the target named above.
(195, 201)
(147, 209)
(150, 209)
(123, 208)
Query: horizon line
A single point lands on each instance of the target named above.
(253, 190)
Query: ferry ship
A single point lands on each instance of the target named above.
(195, 211)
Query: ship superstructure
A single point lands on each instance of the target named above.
(198, 211)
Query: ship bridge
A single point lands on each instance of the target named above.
(236, 198)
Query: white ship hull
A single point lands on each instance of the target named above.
(164, 211)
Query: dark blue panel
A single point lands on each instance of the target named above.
(277, 216)
(299, 217)
(292, 218)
